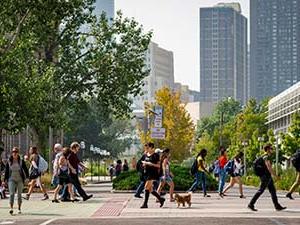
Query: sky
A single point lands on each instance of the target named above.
(175, 25)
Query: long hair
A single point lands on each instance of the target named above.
(11, 159)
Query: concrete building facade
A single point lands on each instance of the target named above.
(161, 65)
(223, 53)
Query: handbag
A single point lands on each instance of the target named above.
(34, 173)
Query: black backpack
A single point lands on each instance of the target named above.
(229, 167)
(194, 168)
(295, 159)
(259, 167)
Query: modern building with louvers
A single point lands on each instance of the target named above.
(282, 107)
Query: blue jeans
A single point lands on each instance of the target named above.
(200, 176)
(222, 177)
(140, 188)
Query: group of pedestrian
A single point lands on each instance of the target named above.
(65, 174)
(234, 167)
(154, 170)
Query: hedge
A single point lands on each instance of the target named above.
(182, 179)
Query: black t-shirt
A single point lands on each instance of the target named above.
(151, 171)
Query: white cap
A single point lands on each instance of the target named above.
(158, 150)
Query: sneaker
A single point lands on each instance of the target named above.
(162, 202)
(206, 195)
(144, 207)
(242, 196)
(75, 200)
(279, 208)
(45, 197)
(138, 196)
(221, 195)
(252, 207)
(11, 212)
(289, 195)
(87, 197)
(55, 201)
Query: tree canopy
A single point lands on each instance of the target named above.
(176, 121)
(57, 56)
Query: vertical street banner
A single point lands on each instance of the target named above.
(158, 132)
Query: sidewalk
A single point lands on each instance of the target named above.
(106, 204)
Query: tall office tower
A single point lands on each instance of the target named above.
(274, 46)
(223, 53)
(161, 65)
(107, 6)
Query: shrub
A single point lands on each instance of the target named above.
(287, 178)
(182, 179)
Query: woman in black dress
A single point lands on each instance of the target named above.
(151, 168)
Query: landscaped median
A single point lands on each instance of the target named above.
(182, 179)
(287, 178)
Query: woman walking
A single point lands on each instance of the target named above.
(235, 175)
(151, 167)
(200, 175)
(63, 176)
(15, 174)
(166, 174)
(222, 173)
(34, 174)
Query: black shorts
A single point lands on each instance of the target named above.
(63, 178)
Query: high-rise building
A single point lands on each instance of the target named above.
(223, 53)
(161, 65)
(107, 6)
(274, 46)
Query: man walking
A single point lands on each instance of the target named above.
(266, 180)
(141, 171)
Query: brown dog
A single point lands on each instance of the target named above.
(183, 199)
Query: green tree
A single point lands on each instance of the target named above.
(291, 140)
(75, 54)
(176, 121)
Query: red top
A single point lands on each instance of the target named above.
(222, 161)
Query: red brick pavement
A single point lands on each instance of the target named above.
(112, 207)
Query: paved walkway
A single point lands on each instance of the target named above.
(106, 204)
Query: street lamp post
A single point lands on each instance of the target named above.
(278, 142)
(91, 161)
(245, 143)
(260, 139)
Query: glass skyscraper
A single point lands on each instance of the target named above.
(274, 46)
(223, 53)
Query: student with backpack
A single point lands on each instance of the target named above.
(141, 171)
(37, 167)
(235, 170)
(15, 174)
(166, 175)
(295, 159)
(200, 173)
(263, 169)
(222, 173)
